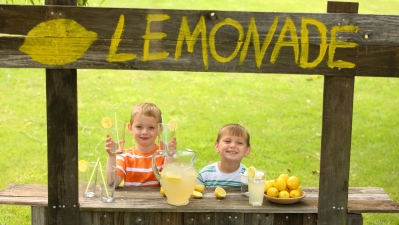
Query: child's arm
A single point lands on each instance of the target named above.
(111, 160)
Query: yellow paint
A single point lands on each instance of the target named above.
(116, 38)
(150, 36)
(340, 44)
(322, 29)
(57, 42)
(212, 35)
(289, 26)
(191, 39)
(253, 32)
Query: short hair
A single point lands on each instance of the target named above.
(234, 130)
(146, 109)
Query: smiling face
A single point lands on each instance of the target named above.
(145, 130)
(232, 148)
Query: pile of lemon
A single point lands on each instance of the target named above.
(199, 189)
(285, 186)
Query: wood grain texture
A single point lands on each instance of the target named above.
(137, 200)
(376, 52)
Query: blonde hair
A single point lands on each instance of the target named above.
(146, 109)
(234, 130)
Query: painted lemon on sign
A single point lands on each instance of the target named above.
(57, 42)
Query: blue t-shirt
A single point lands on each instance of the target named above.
(211, 176)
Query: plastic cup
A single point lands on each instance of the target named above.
(244, 184)
(256, 188)
(118, 135)
(88, 180)
(106, 178)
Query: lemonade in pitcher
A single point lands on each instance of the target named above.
(178, 181)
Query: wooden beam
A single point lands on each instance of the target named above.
(336, 140)
(62, 142)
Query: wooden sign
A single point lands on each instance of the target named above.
(191, 40)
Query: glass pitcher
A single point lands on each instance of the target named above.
(178, 177)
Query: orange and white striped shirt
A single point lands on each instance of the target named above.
(135, 167)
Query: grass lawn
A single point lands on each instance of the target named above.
(282, 113)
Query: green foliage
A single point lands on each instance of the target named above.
(282, 113)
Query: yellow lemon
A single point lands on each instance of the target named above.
(272, 192)
(293, 182)
(251, 172)
(220, 192)
(280, 184)
(200, 188)
(162, 192)
(268, 184)
(299, 189)
(82, 165)
(284, 177)
(106, 122)
(283, 194)
(58, 42)
(197, 194)
(172, 125)
(295, 194)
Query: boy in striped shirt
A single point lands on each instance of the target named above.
(134, 165)
(232, 144)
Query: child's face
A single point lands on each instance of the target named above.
(232, 148)
(144, 130)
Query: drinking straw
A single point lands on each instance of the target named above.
(92, 174)
(102, 176)
(117, 130)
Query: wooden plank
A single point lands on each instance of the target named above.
(150, 40)
(309, 219)
(39, 215)
(175, 218)
(355, 219)
(135, 199)
(259, 218)
(336, 141)
(229, 218)
(62, 139)
(288, 219)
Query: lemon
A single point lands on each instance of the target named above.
(82, 165)
(283, 194)
(162, 192)
(284, 176)
(106, 122)
(220, 192)
(272, 192)
(251, 172)
(172, 125)
(295, 194)
(280, 184)
(268, 184)
(58, 42)
(293, 182)
(299, 189)
(200, 188)
(197, 194)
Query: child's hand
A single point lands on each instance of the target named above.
(173, 144)
(110, 145)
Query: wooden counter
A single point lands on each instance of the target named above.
(135, 205)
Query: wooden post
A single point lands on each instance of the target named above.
(336, 139)
(62, 139)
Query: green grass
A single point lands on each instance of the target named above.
(282, 113)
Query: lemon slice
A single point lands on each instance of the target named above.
(173, 177)
(162, 192)
(82, 165)
(172, 125)
(197, 194)
(251, 172)
(106, 122)
(200, 188)
(220, 192)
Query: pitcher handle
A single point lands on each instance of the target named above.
(154, 165)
